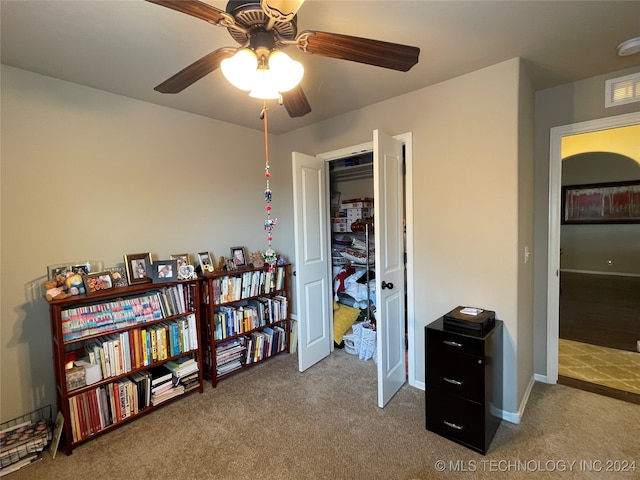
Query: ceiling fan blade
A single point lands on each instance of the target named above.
(281, 10)
(197, 9)
(194, 72)
(363, 50)
(295, 102)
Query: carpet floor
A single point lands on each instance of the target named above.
(273, 422)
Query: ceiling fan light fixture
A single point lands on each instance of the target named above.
(287, 73)
(278, 74)
(264, 85)
(240, 70)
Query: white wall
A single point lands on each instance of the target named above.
(467, 222)
(91, 175)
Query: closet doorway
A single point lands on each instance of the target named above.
(314, 281)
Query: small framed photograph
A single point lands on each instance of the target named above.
(164, 271)
(138, 265)
(82, 268)
(118, 276)
(204, 258)
(58, 273)
(230, 264)
(181, 258)
(97, 282)
(239, 259)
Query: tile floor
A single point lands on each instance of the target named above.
(604, 366)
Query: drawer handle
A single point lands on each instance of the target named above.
(452, 343)
(452, 425)
(451, 380)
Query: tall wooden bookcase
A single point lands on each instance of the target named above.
(129, 317)
(245, 319)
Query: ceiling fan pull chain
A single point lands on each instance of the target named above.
(270, 255)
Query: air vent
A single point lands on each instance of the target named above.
(621, 90)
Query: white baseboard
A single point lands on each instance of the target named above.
(419, 385)
(516, 417)
(543, 379)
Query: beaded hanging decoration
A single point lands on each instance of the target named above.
(269, 255)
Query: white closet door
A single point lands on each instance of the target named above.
(389, 241)
(312, 259)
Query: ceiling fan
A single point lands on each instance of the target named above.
(266, 26)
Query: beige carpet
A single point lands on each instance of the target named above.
(272, 422)
(610, 367)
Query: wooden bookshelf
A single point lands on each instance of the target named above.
(245, 319)
(126, 331)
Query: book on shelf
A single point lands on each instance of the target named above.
(182, 366)
(189, 382)
(164, 396)
(159, 374)
(293, 339)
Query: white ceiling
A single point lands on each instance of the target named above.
(128, 47)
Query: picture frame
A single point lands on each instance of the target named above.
(205, 262)
(601, 203)
(81, 268)
(138, 265)
(119, 276)
(239, 257)
(230, 265)
(185, 270)
(164, 271)
(181, 258)
(97, 282)
(58, 272)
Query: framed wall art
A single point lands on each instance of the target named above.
(614, 202)
(138, 265)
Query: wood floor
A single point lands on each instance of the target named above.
(600, 309)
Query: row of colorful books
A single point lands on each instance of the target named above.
(231, 288)
(248, 315)
(94, 410)
(123, 352)
(250, 348)
(99, 318)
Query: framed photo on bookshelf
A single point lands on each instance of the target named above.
(204, 258)
(138, 265)
(164, 271)
(97, 282)
(58, 272)
(238, 256)
(181, 258)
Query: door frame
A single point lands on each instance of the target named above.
(553, 243)
(407, 141)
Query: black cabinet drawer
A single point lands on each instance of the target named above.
(462, 375)
(462, 384)
(456, 418)
(441, 343)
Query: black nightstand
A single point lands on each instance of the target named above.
(464, 384)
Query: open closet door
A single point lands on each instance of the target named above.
(389, 241)
(312, 259)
